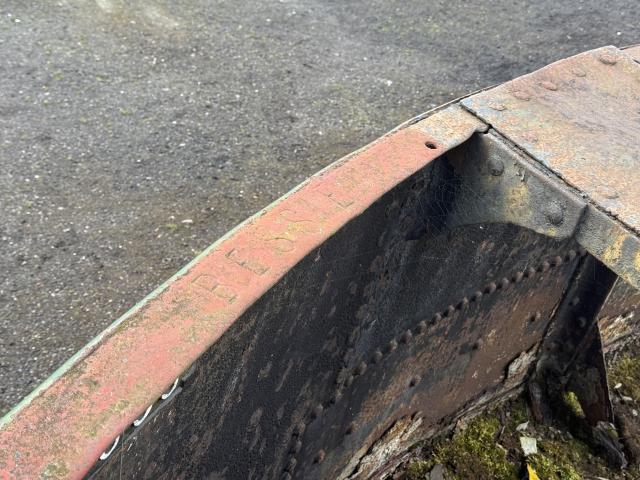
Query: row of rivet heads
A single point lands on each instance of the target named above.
(406, 337)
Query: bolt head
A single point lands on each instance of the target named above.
(522, 95)
(549, 85)
(496, 167)
(554, 214)
(608, 58)
(578, 72)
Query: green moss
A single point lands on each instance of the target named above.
(567, 460)
(627, 372)
(518, 413)
(419, 469)
(474, 453)
(549, 470)
(571, 401)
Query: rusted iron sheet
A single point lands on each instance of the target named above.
(498, 184)
(369, 329)
(578, 117)
(401, 287)
(61, 429)
(619, 319)
(371, 343)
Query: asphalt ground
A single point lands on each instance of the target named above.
(133, 133)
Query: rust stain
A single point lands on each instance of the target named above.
(61, 431)
(582, 113)
(613, 252)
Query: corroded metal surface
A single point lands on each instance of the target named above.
(619, 319)
(497, 184)
(404, 285)
(578, 117)
(369, 329)
(64, 427)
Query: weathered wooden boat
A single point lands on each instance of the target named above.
(489, 244)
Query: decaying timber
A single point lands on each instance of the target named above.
(420, 278)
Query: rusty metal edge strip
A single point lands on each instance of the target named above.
(62, 427)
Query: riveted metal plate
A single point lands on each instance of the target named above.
(495, 183)
(578, 117)
(338, 342)
(350, 319)
(64, 426)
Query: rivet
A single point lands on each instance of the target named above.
(557, 261)
(554, 214)
(477, 296)
(360, 369)
(450, 310)
(392, 346)
(319, 456)
(522, 95)
(299, 429)
(497, 106)
(545, 266)
(554, 346)
(530, 272)
(291, 466)
(492, 287)
(517, 278)
(549, 85)
(496, 167)
(504, 283)
(377, 356)
(317, 411)
(296, 447)
(578, 72)
(437, 317)
(464, 303)
(608, 59)
(350, 428)
(421, 328)
(406, 337)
